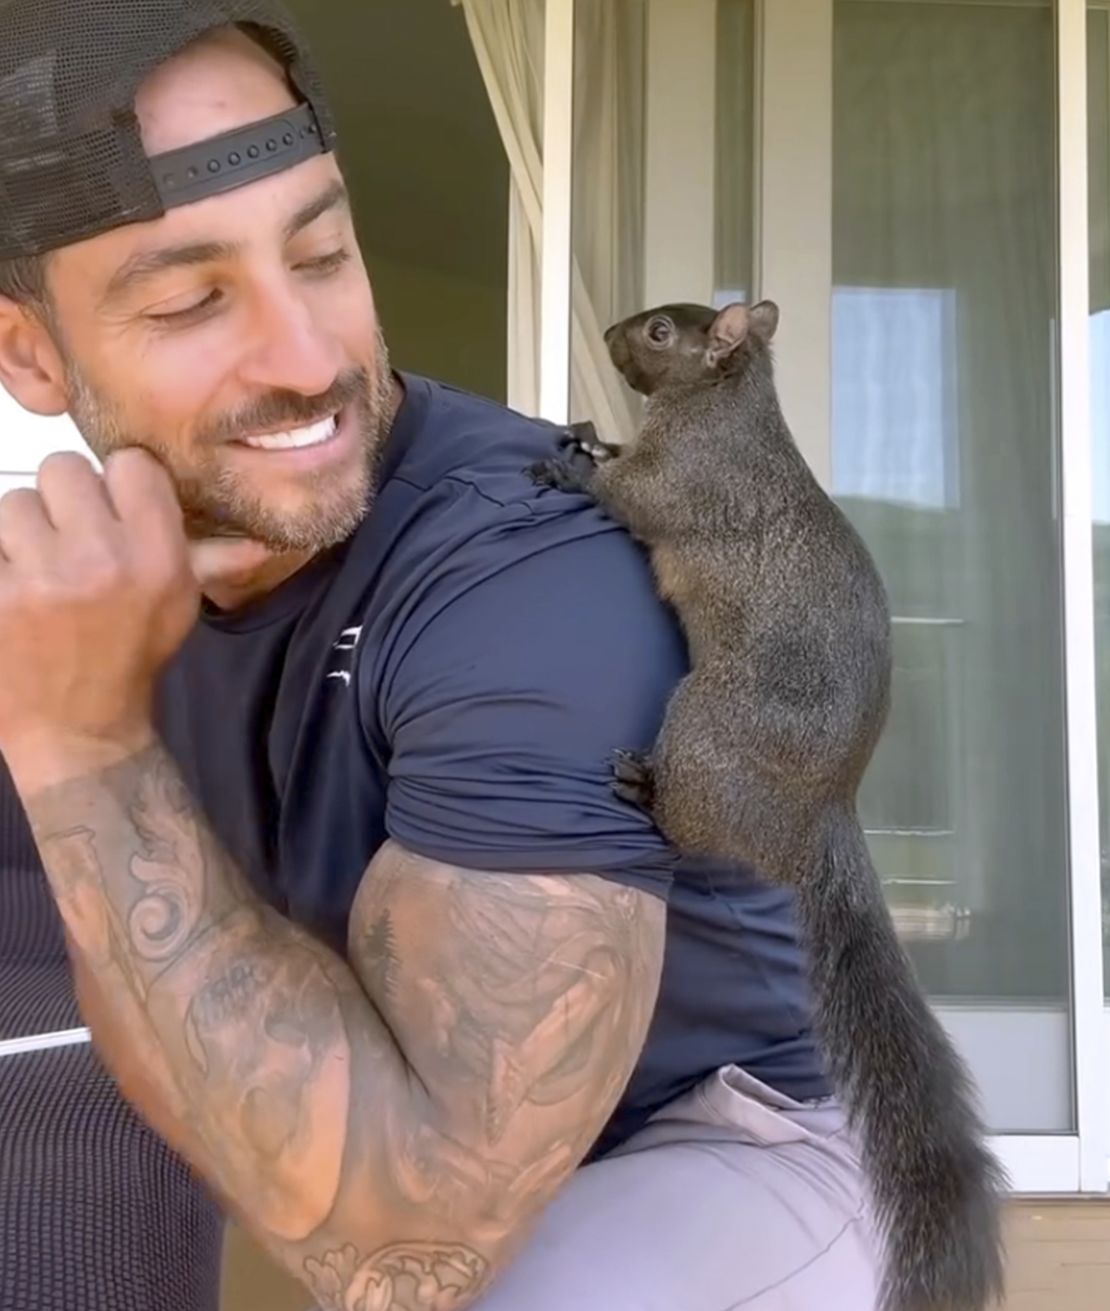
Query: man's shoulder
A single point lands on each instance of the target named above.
(452, 435)
(458, 506)
(475, 558)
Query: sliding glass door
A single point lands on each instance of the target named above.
(891, 171)
(944, 454)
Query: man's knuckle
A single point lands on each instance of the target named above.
(101, 567)
(134, 467)
(16, 503)
(41, 593)
(65, 465)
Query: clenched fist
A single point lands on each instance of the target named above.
(97, 593)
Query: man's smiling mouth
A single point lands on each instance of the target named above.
(295, 439)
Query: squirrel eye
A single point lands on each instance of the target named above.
(659, 331)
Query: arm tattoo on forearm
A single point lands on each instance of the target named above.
(387, 1126)
(244, 1007)
(170, 868)
(402, 1277)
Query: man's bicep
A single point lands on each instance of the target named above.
(503, 717)
(521, 1003)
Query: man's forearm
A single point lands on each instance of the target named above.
(389, 1128)
(254, 1039)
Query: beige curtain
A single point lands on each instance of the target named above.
(508, 41)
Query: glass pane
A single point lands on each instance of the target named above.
(663, 190)
(1098, 89)
(944, 456)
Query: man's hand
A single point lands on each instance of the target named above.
(97, 593)
(99, 587)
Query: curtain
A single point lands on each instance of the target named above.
(508, 41)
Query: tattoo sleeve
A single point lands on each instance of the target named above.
(388, 1127)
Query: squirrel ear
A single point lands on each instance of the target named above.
(728, 333)
(765, 319)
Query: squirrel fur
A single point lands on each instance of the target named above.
(764, 745)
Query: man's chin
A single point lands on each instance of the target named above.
(311, 529)
(287, 511)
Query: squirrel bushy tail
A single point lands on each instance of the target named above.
(935, 1185)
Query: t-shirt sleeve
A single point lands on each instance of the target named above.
(504, 713)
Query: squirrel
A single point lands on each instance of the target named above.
(764, 744)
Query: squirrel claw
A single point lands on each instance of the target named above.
(634, 779)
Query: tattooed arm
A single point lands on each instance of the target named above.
(388, 1128)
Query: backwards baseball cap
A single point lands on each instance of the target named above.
(72, 163)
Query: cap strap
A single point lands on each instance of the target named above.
(237, 158)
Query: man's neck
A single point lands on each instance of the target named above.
(229, 594)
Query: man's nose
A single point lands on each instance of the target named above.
(292, 349)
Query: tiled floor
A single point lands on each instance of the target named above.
(1059, 1261)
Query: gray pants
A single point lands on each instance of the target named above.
(734, 1196)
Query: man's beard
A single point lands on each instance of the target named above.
(217, 501)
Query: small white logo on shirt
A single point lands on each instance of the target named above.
(348, 641)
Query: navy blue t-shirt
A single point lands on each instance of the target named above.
(456, 677)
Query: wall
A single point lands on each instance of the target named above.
(446, 325)
(428, 176)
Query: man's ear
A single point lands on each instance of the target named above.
(31, 367)
(729, 332)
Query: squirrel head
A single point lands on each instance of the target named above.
(680, 345)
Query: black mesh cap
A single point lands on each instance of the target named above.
(72, 163)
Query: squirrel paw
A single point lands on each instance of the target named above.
(634, 778)
(561, 475)
(581, 439)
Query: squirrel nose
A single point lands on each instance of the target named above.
(611, 332)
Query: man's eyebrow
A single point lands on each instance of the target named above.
(148, 264)
(335, 197)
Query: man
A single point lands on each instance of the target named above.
(358, 921)
(95, 1211)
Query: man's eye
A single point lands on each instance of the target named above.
(181, 318)
(326, 264)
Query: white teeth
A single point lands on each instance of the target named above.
(296, 440)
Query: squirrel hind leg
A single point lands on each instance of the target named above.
(634, 779)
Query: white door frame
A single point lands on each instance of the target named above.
(1091, 1057)
(794, 260)
(794, 204)
(557, 240)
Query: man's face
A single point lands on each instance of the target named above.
(237, 337)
